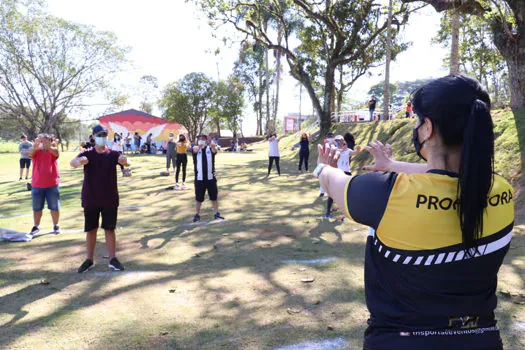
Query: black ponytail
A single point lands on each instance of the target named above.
(459, 109)
(476, 173)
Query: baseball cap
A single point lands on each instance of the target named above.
(97, 129)
(329, 134)
(339, 137)
(202, 135)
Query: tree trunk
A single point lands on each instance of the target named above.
(454, 49)
(300, 103)
(218, 125)
(386, 99)
(325, 114)
(267, 71)
(277, 75)
(340, 93)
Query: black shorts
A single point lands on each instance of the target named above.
(207, 185)
(25, 163)
(92, 216)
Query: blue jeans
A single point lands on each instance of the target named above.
(51, 195)
(371, 115)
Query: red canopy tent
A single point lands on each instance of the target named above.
(132, 121)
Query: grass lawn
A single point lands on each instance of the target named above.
(206, 286)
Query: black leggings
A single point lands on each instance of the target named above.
(182, 159)
(303, 156)
(330, 201)
(276, 165)
(171, 158)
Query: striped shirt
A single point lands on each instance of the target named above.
(204, 164)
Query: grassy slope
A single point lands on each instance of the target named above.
(399, 134)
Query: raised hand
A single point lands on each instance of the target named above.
(122, 160)
(382, 156)
(355, 151)
(329, 154)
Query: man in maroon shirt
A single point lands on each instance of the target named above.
(100, 195)
(44, 181)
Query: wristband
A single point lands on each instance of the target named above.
(318, 169)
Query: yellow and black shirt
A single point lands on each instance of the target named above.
(417, 275)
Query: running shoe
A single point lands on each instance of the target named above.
(34, 230)
(183, 184)
(115, 265)
(56, 229)
(86, 265)
(177, 185)
(19, 179)
(196, 218)
(218, 216)
(326, 217)
(321, 194)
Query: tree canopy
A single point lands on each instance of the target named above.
(316, 37)
(49, 66)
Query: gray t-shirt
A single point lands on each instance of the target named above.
(171, 148)
(23, 147)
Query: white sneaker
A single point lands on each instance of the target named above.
(177, 185)
(183, 184)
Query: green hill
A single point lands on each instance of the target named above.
(399, 134)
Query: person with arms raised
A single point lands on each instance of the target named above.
(44, 181)
(205, 180)
(100, 196)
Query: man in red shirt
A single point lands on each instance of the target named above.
(100, 195)
(44, 181)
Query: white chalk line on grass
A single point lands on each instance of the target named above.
(320, 261)
(327, 344)
(136, 274)
(204, 223)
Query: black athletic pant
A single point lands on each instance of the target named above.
(330, 201)
(276, 164)
(182, 159)
(171, 158)
(303, 156)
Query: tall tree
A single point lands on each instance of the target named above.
(507, 21)
(188, 102)
(330, 33)
(229, 103)
(454, 47)
(148, 86)
(478, 56)
(386, 100)
(250, 69)
(49, 66)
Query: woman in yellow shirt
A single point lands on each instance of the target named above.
(182, 160)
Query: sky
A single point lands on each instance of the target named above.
(170, 38)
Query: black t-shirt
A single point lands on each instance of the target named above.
(99, 189)
(372, 104)
(417, 275)
(304, 145)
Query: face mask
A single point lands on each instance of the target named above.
(202, 143)
(100, 141)
(418, 145)
(339, 144)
